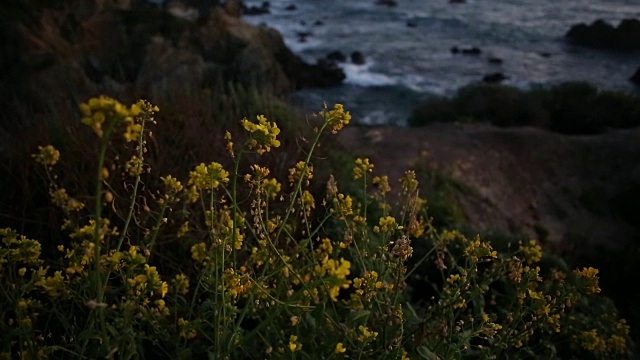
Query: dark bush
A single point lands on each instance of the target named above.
(437, 109)
(569, 108)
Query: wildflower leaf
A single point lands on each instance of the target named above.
(427, 354)
(310, 320)
(413, 312)
(358, 315)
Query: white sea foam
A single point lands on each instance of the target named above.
(361, 75)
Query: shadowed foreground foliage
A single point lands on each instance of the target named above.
(234, 259)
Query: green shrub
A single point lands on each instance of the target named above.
(569, 108)
(236, 262)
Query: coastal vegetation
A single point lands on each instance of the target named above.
(240, 257)
(217, 221)
(569, 108)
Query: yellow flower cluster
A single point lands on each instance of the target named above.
(134, 166)
(387, 224)
(181, 284)
(47, 155)
(339, 269)
(302, 171)
(18, 249)
(362, 168)
(148, 282)
(235, 284)
(61, 199)
(173, 188)
(382, 183)
(263, 135)
(366, 335)
(337, 118)
(208, 177)
(366, 288)
(187, 330)
(294, 344)
(105, 112)
(199, 252)
(532, 252)
(51, 285)
(589, 277)
(270, 187)
(342, 206)
(478, 250)
(88, 231)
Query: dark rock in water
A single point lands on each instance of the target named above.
(337, 55)
(303, 35)
(545, 54)
(411, 23)
(357, 58)
(457, 1)
(291, 7)
(472, 51)
(324, 73)
(494, 78)
(602, 35)
(636, 77)
(466, 51)
(318, 23)
(389, 3)
(264, 8)
(495, 61)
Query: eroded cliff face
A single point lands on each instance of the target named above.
(74, 49)
(575, 191)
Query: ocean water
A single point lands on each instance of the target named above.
(405, 65)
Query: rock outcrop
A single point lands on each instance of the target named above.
(603, 35)
(76, 49)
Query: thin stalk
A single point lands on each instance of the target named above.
(135, 190)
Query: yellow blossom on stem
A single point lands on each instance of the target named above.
(337, 118)
(208, 177)
(590, 277)
(47, 155)
(263, 135)
(362, 167)
(294, 345)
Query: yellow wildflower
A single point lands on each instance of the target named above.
(208, 177)
(47, 155)
(262, 134)
(294, 345)
(362, 167)
(590, 277)
(337, 118)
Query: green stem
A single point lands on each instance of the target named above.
(156, 228)
(134, 194)
(298, 188)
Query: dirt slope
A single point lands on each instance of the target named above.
(520, 179)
